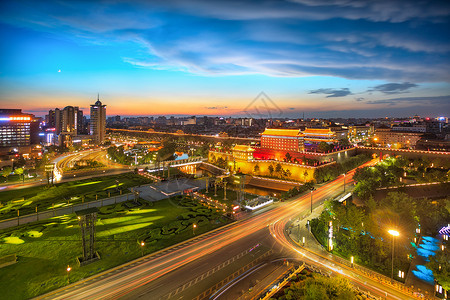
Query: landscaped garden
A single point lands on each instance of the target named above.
(362, 231)
(312, 286)
(397, 171)
(44, 249)
(43, 197)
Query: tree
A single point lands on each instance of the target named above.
(321, 287)
(442, 274)
(256, 169)
(344, 142)
(19, 171)
(279, 169)
(305, 175)
(271, 169)
(324, 147)
(287, 173)
(6, 171)
(288, 157)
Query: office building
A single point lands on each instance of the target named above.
(68, 120)
(15, 129)
(98, 122)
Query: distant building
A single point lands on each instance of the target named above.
(98, 122)
(68, 120)
(358, 133)
(318, 135)
(387, 137)
(411, 127)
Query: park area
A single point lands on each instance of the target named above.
(64, 194)
(45, 248)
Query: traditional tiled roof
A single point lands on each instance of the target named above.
(243, 148)
(282, 132)
(317, 131)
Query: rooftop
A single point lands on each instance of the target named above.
(317, 130)
(243, 148)
(282, 132)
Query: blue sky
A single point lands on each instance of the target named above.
(337, 58)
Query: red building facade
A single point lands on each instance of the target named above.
(282, 139)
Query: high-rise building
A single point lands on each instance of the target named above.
(68, 120)
(15, 128)
(98, 122)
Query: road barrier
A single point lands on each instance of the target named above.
(211, 290)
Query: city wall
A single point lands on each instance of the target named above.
(299, 172)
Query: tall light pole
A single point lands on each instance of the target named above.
(312, 189)
(193, 228)
(394, 234)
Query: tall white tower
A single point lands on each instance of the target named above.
(98, 122)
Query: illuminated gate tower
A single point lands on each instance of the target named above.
(282, 139)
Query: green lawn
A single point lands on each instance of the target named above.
(44, 249)
(45, 197)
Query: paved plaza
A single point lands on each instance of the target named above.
(165, 189)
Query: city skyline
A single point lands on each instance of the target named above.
(327, 59)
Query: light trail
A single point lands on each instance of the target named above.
(114, 286)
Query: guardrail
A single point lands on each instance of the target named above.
(285, 280)
(205, 294)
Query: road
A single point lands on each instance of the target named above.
(157, 275)
(68, 161)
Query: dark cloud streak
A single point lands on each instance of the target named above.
(393, 88)
(332, 92)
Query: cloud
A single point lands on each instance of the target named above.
(393, 88)
(217, 107)
(332, 92)
(359, 99)
(436, 100)
(385, 39)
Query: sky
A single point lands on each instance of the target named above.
(323, 58)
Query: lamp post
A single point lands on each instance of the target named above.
(225, 191)
(393, 233)
(312, 189)
(193, 228)
(142, 248)
(68, 272)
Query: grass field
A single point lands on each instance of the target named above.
(45, 197)
(44, 249)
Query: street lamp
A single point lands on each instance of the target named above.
(193, 228)
(352, 260)
(394, 233)
(312, 189)
(68, 272)
(142, 248)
